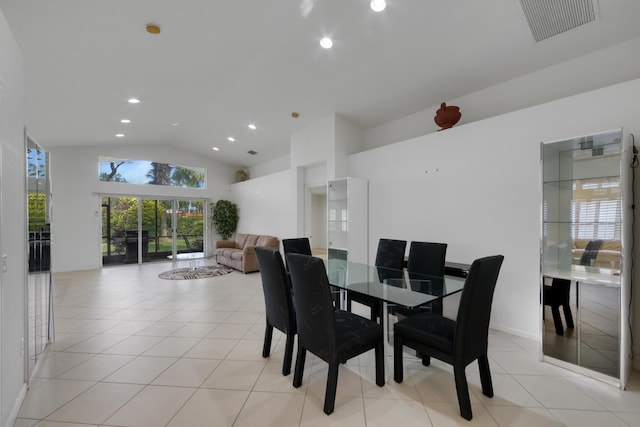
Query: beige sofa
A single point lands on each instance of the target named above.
(608, 255)
(240, 253)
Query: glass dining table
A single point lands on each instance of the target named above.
(390, 286)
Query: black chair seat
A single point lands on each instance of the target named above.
(429, 329)
(354, 333)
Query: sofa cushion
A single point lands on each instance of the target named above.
(237, 255)
(226, 252)
(251, 240)
(240, 240)
(268, 241)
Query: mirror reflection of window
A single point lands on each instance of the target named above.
(596, 215)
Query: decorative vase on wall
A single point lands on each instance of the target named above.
(241, 175)
(447, 116)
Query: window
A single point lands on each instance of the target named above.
(148, 172)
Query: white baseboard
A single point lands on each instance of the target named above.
(515, 332)
(11, 419)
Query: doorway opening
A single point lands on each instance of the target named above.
(138, 230)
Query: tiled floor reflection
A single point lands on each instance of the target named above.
(136, 350)
(597, 324)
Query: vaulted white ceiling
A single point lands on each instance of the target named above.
(217, 66)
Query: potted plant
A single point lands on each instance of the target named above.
(224, 215)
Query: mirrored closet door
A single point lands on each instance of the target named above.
(39, 298)
(585, 256)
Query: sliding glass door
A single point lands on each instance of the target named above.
(190, 231)
(136, 230)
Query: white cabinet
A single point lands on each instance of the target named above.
(586, 241)
(348, 219)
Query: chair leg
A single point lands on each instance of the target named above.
(436, 307)
(398, 374)
(380, 362)
(426, 360)
(288, 354)
(332, 385)
(568, 317)
(485, 376)
(266, 348)
(557, 320)
(375, 312)
(299, 370)
(462, 389)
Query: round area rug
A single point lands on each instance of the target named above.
(195, 273)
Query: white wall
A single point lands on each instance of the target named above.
(272, 166)
(349, 139)
(314, 143)
(319, 221)
(477, 188)
(12, 227)
(266, 205)
(76, 210)
(617, 64)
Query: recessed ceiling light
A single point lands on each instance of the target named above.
(326, 42)
(175, 124)
(252, 126)
(133, 100)
(295, 115)
(231, 139)
(119, 135)
(215, 148)
(378, 5)
(125, 121)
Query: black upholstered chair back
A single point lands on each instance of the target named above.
(315, 313)
(390, 258)
(590, 252)
(277, 290)
(298, 245)
(474, 312)
(278, 303)
(427, 258)
(391, 253)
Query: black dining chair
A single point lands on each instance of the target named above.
(590, 253)
(558, 293)
(301, 245)
(390, 262)
(298, 245)
(456, 342)
(555, 296)
(425, 258)
(278, 303)
(334, 336)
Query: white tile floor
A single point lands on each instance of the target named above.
(136, 350)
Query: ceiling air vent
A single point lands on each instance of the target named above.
(253, 153)
(548, 18)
